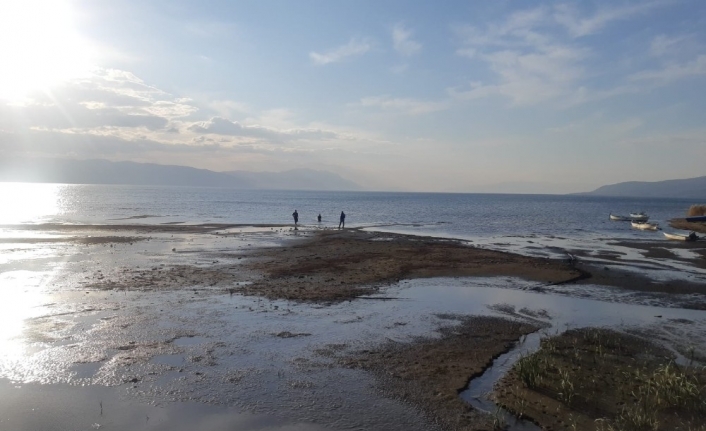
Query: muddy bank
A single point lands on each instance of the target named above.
(341, 265)
(680, 223)
(430, 373)
(588, 379)
(630, 280)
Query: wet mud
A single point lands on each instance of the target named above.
(342, 265)
(431, 372)
(682, 224)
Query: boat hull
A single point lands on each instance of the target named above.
(644, 226)
(679, 237)
(639, 217)
(696, 219)
(619, 218)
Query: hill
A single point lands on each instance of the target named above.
(690, 188)
(49, 170)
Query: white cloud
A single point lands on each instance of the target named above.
(405, 106)
(663, 44)
(228, 108)
(402, 42)
(353, 48)
(673, 71)
(222, 126)
(578, 26)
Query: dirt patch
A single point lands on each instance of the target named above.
(341, 265)
(589, 379)
(430, 373)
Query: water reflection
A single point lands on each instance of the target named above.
(28, 202)
(33, 407)
(21, 296)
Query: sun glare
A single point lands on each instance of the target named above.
(39, 46)
(28, 203)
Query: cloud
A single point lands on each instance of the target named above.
(222, 126)
(577, 26)
(673, 71)
(663, 45)
(402, 42)
(405, 106)
(353, 48)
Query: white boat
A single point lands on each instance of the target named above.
(644, 225)
(681, 237)
(619, 218)
(639, 216)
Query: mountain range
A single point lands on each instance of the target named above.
(67, 171)
(689, 188)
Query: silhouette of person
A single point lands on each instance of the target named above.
(343, 220)
(295, 214)
(319, 218)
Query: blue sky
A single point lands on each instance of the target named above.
(510, 96)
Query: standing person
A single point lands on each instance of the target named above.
(319, 218)
(343, 220)
(295, 214)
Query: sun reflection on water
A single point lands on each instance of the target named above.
(22, 298)
(28, 202)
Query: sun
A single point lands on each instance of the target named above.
(39, 46)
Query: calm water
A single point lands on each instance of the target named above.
(453, 215)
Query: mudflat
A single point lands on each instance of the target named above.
(223, 313)
(340, 265)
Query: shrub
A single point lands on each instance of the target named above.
(696, 210)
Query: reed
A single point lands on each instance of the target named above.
(528, 369)
(696, 210)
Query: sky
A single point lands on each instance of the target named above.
(453, 96)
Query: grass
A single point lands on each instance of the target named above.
(696, 210)
(598, 379)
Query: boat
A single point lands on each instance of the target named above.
(644, 225)
(639, 216)
(696, 218)
(619, 217)
(681, 237)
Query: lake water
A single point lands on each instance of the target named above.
(449, 215)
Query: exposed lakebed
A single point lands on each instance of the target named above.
(200, 346)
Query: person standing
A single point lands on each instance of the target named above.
(342, 223)
(319, 218)
(295, 214)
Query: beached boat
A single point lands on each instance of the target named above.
(696, 218)
(639, 216)
(681, 237)
(619, 218)
(644, 225)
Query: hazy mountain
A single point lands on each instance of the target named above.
(296, 179)
(48, 170)
(690, 188)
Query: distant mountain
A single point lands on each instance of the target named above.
(296, 179)
(690, 188)
(49, 170)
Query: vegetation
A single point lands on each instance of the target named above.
(597, 379)
(697, 210)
